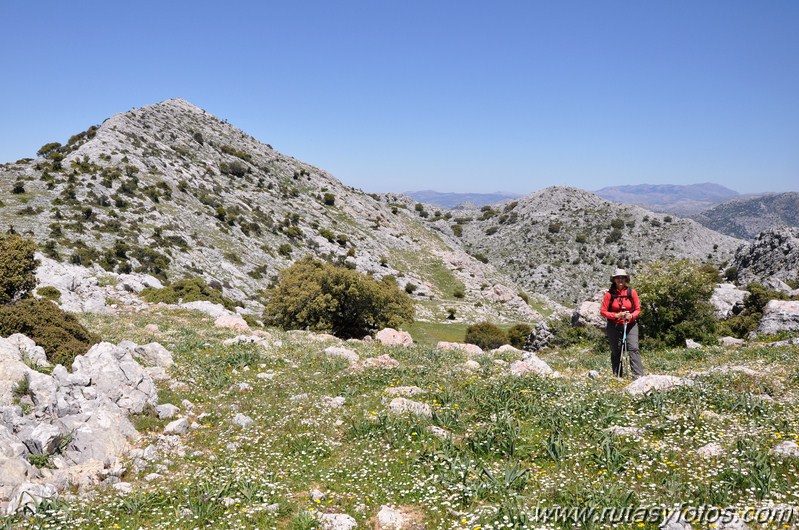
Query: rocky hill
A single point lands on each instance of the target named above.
(670, 198)
(171, 190)
(747, 217)
(773, 255)
(563, 242)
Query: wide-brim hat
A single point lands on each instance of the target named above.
(620, 272)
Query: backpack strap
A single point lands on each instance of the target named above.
(629, 296)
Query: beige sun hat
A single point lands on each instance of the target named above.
(620, 272)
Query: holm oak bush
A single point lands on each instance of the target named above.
(319, 296)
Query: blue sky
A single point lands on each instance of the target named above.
(444, 95)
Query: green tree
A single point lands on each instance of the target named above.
(17, 267)
(517, 335)
(675, 302)
(322, 297)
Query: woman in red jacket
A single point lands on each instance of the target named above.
(619, 306)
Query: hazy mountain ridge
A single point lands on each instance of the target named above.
(747, 217)
(453, 199)
(683, 200)
(172, 190)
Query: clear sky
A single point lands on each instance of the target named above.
(443, 95)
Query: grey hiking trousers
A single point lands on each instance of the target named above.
(615, 333)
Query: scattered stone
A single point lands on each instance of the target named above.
(124, 488)
(209, 308)
(381, 361)
(299, 398)
(244, 387)
(152, 328)
(166, 411)
(593, 374)
(232, 321)
(439, 432)
(471, 349)
(692, 344)
(392, 337)
(506, 348)
(342, 353)
(530, 364)
(789, 448)
(333, 402)
(649, 383)
(317, 495)
(337, 521)
(389, 518)
(150, 477)
(241, 420)
(180, 426)
(404, 406)
(266, 376)
(731, 342)
(471, 365)
(539, 337)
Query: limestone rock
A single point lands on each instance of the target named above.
(337, 521)
(539, 337)
(389, 518)
(731, 342)
(118, 376)
(692, 344)
(471, 349)
(241, 420)
(232, 321)
(789, 448)
(649, 383)
(179, 426)
(404, 406)
(530, 364)
(727, 300)
(587, 314)
(384, 361)
(342, 353)
(779, 315)
(392, 337)
(166, 411)
(28, 496)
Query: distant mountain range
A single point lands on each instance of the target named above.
(684, 200)
(451, 200)
(747, 217)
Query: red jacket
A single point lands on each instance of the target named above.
(621, 303)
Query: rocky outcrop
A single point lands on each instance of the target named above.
(774, 254)
(727, 300)
(78, 420)
(779, 315)
(392, 337)
(650, 383)
(539, 337)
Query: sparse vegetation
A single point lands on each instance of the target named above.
(187, 290)
(486, 335)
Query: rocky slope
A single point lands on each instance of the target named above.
(171, 190)
(773, 255)
(747, 217)
(563, 242)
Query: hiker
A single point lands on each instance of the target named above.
(619, 306)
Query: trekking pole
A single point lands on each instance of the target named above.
(625, 357)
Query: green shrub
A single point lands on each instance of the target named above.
(746, 321)
(188, 290)
(458, 293)
(564, 334)
(675, 303)
(17, 267)
(486, 335)
(49, 292)
(59, 333)
(517, 335)
(322, 297)
(329, 199)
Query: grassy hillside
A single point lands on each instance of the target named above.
(515, 443)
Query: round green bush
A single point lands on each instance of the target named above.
(486, 335)
(517, 335)
(59, 333)
(323, 297)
